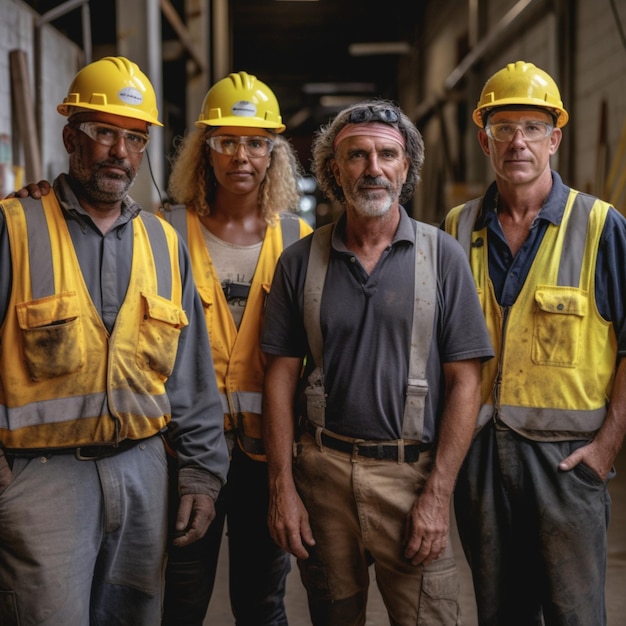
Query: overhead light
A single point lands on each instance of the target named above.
(333, 102)
(317, 88)
(298, 118)
(379, 47)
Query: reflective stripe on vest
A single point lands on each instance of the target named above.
(424, 289)
(242, 402)
(42, 276)
(237, 356)
(177, 217)
(50, 400)
(561, 279)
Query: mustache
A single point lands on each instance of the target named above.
(119, 163)
(375, 181)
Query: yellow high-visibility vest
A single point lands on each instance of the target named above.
(555, 353)
(237, 356)
(65, 381)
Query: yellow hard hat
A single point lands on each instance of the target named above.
(524, 84)
(112, 85)
(241, 99)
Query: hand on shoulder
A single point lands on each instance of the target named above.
(34, 190)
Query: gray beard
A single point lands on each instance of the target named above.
(106, 189)
(367, 206)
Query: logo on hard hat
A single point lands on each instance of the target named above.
(130, 95)
(244, 108)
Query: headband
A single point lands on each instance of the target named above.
(370, 129)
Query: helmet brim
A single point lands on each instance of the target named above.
(65, 109)
(246, 122)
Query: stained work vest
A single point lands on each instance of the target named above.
(424, 294)
(556, 354)
(237, 356)
(65, 381)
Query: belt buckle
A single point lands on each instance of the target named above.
(374, 451)
(78, 453)
(98, 452)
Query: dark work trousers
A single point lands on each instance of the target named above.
(535, 536)
(258, 568)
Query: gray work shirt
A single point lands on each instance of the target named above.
(366, 327)
(197, 421)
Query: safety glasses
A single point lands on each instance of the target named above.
(108, 135)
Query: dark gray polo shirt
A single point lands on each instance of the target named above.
(366, 325)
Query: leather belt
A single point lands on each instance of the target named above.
(388, 451)
(82, 453)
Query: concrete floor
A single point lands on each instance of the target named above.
(219, 609)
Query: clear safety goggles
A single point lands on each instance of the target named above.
(531, 131)
(255, 146)
(108, 135)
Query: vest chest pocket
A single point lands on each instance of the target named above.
(559, 315)
(159, 331)
(52, 336)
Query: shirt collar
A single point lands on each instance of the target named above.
(404, 232)
(69, 202)
(552, 210)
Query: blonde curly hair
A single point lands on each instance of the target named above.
(192, 181)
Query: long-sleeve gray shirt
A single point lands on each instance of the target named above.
(196, 427)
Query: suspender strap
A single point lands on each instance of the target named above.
(421, 334)
(313, 287)
(422, 330)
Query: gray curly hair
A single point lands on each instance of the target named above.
(378, 110)
(192, 181)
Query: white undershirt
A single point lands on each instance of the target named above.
(233, 263)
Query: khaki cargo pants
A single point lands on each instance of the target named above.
(358, 509)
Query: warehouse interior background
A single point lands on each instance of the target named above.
(431, 56)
